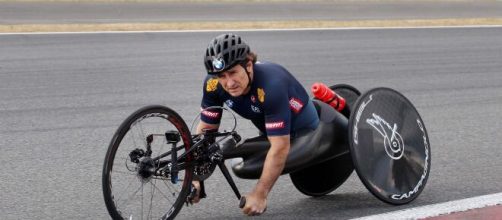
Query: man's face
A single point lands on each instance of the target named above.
(234, 81)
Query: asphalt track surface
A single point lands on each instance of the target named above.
(12, 12)
(62, 96)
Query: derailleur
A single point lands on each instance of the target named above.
(136, 154)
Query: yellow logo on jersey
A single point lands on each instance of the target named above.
(261, 95)
(211, 85)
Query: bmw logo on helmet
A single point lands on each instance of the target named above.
(218, 64)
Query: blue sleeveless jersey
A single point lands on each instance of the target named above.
(277, 104)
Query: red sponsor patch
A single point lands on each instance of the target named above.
(296, 105)
(274, 125)
(210, 114)
(253, 98)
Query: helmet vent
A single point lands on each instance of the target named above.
(227, 48)
(232, 54)
(209, 64)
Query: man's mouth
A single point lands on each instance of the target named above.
(233, 89)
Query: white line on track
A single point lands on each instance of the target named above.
(255, 30)
(440, 209)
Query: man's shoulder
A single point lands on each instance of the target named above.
(271, 74)
(210, 84)
(269, 66)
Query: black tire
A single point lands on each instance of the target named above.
(156, 195)
(323, 178)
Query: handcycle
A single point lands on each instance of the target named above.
(153, 157)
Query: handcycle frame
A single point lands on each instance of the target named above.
(214, 155)
(206, 142)
(200, 148)
(204, 149)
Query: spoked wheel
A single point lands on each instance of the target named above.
(139, 180)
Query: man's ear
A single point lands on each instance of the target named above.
(249, 66)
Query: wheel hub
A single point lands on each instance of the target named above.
(146, 168)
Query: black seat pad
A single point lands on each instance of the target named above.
(327, 141)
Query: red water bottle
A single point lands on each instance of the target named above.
(325, 94)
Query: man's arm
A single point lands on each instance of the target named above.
(256, 201)
(200, 127)
(203, 125)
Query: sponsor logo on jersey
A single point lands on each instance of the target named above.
(211, 85)
(255, 109)
(296, 105)
(229, 103)
(275, 125)
(210, 114)
(253, 99)
(261, 95)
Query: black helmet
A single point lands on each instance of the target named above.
(224, 52)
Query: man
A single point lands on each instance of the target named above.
(263, 92)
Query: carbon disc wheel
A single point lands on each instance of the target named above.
(389, 146)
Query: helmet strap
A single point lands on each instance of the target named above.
(244, 65)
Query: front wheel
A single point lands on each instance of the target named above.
(138, 178)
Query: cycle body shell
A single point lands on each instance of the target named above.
(380, 135)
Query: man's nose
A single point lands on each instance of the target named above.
(230, 82)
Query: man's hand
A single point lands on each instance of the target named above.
(256, 201)
(256, 204)
(195, 198)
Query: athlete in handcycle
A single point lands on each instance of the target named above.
(300, 137)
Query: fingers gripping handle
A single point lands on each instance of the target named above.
(242, 202)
